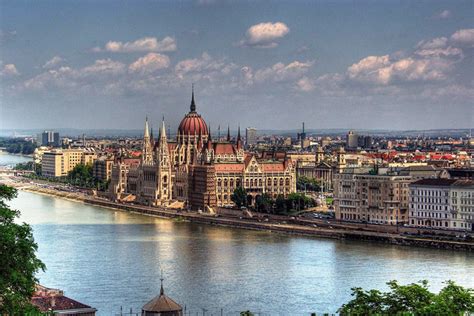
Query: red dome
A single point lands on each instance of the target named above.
(193, 124)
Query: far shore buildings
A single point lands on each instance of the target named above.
(198, 171)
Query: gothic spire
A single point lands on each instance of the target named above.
(228, 133)
(193, 104)
(146, 135)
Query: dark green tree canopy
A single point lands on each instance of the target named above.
(18, 261)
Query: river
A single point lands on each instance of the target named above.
(109, 259)
(9, 160)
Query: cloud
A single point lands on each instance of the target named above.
(438, 42)
(280, 72)
(150, 63)
(146, 44)
(445, 14)
(56, 60)
(464, 37)
(204, 65)
(264, 35)
(9, 70)
(103, 67)
(305, 84)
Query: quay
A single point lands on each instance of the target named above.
(272, 223)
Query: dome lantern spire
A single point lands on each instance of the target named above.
(193, 104)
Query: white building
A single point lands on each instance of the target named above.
(442, 204)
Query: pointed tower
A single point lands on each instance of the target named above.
(164, 185)
(147, 150)
(228, 133)
(239, 140)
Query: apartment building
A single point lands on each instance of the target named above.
(58, 162)
(442, 204)
(371, 198)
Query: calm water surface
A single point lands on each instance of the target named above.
(9, 160)
(109, 259)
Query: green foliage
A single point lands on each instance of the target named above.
(239, 197)
(246, 313)
(18, 262)
(263, 203)
(25, 166)
(17, 146)
(308, 184)
(411, 299)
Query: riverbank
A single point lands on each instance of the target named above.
(287, 226)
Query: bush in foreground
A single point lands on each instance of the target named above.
(411, 299)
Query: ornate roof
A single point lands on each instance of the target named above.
(162, 303)
(193, 123)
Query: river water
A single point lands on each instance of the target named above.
(108, 259)
(9, 160)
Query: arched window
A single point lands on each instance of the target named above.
(275, 181)
(231, 182)
(269, 181)
(281, 181)
(287, 181)
(219, 182)
(260, 182)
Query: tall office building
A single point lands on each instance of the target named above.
(250, 136)
(49, 138)
(352, 140)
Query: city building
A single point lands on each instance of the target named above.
(49, 138)
(58, 162)
(352, 140)
(371, 198)
(102, 168)
(442, 204)
(197, 171)
(250, 136)
(53, 302)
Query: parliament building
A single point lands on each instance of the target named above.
(197, 171)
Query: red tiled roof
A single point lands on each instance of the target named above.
(131, 161)
(273, 167)
(224, 148)
(46, 303)
(229, 167)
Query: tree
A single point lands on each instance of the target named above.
(246, 313)
(280, 204)
(263, 203)
(18, 262)
(411, 299)
(239, 197)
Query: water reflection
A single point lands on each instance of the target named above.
(110, 258)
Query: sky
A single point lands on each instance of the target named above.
(267, 64)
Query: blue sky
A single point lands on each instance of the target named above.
(332, 64)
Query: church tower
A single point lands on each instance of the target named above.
(147, 150)
(163, 163)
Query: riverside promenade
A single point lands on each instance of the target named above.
(281, 224)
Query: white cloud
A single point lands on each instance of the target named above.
(150, 63)
(264, 35)
(146, 44)
(9, 70)
(440, 52)
(445, 14)
(205, 66)
(438, 42)
(56, 60)
(280, 72)
(103, 66)
(305, 84)
(464, 37)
